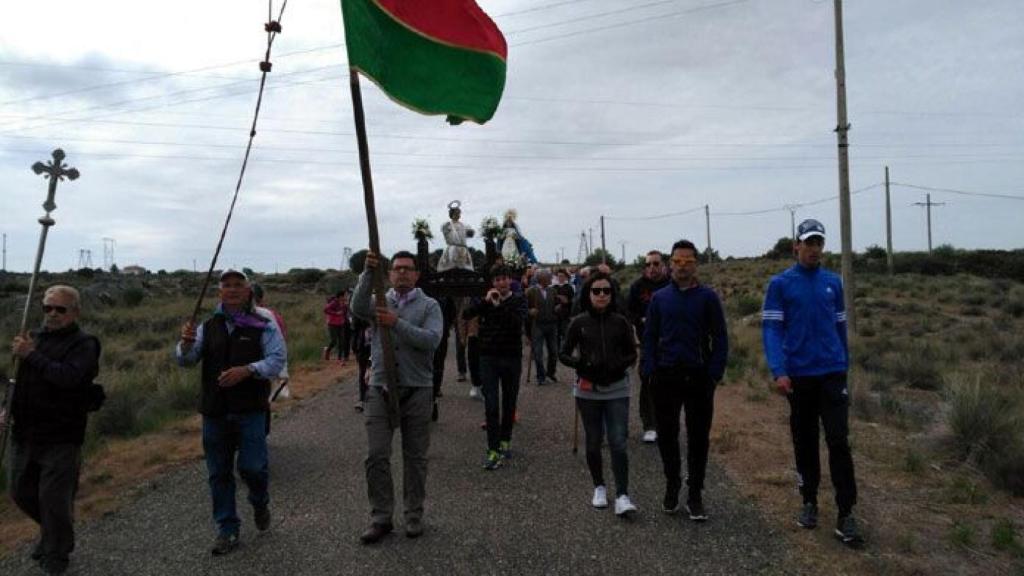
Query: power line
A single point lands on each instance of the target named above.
(322, 149)
(960, 192)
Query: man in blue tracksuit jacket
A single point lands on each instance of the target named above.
(804, 333)
(684, 348)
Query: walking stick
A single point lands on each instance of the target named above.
(55, 170)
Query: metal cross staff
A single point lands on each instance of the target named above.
(55, 170)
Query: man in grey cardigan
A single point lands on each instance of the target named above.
(415, 322)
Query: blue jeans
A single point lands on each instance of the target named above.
(500, 410)
(223, 437)
(611, 416)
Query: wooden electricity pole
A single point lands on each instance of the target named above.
(928, 206)
(707, 224)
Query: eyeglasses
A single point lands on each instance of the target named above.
(598, 291)
(652, 264)
(58, 309)
(402, 269)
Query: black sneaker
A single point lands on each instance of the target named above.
(808, 516)
(695, 508)
(670, 505)
(261, 517)
(847, 532)
(54, 565)
(224, 544)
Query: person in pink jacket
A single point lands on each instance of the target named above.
(336, 311)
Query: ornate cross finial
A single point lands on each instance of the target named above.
(55, 170)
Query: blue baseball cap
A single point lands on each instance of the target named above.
(808, 228)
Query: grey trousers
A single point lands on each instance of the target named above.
(415, 405)
(43, 483)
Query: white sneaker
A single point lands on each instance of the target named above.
(624, 506)
(650, 436)
(601, 498)
(474, 393)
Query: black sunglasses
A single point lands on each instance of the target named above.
(652, 264)
(58, 309)
(597, 291)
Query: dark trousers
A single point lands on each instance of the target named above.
(599, 416)
(681, 390)
(647, 418)
(225, 438)
(823, 398)
(43, 482)
(460, 354)
(338, 335)
(414, 405)
(440, 354)
(473, 358)
(500, 371)
(544, 334)
(363, 361)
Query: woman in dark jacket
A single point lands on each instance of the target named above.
(601, 346)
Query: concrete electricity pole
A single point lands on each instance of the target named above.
(888, 226)
(707, 224)
(842, 128)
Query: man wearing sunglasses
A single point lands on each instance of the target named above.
(685, 349)
(56, 368)
(804, 333)
(640, 293)
(415, 321)
(241, 353)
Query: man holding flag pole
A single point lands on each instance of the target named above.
(441, 57)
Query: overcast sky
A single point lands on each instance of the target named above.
(626, 109)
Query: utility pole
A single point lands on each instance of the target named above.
(623, 244)
(108, 253)
(583, 251)
(928, 205)
(561, 251)
(888, 226)
(590, 243)
(792, 220)
(707, 223)
(842, 128)
(604, 250)
(5, 253)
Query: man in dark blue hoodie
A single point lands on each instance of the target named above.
(685, 348)
(804, 333)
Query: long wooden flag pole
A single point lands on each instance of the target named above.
(388, 352)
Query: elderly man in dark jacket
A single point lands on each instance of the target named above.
(51, 400)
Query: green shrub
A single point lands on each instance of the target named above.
(133, 296)
(962, 535)
(988, 427)
(917, 369)
(1004, 536)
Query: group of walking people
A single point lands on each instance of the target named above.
(681, 357)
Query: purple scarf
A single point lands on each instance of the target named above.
(242, 318)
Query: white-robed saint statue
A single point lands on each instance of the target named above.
(456, 253)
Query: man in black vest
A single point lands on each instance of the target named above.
(241, 352)
(52, 397)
